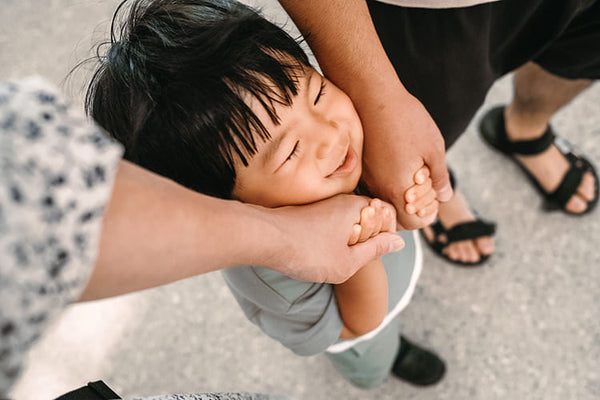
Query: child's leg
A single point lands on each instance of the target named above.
(363, 300)
(367, 364)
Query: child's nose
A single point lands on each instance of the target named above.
(329, 137)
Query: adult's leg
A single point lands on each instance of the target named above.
(449, 58)
(538, 95)
(438, 56)
(367, 364)
(368, 360)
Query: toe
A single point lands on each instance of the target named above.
(457, 252)
(576, 204)
(587, 187)
(462, 251)
(485, 245)
(452, 251)
(470, 251)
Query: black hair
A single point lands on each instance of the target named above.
(171, 86)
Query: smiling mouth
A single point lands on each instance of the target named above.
(347, 165)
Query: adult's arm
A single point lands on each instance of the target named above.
(156, 231)
(400, 135)
(58, 172)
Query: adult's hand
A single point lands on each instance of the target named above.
(313, 240)
(400, 135)
(397, 143)
(156, 231)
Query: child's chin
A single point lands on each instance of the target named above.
(352, 184)
(356, 178)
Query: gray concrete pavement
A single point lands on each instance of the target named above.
(526, 326)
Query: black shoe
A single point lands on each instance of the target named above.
(417, 365)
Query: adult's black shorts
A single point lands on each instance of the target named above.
(449, 58)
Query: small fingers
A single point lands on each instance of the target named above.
(378, 217)
(370, 222)
(421, 175)
(389, 218)
(376, 203)
(430, 210)
(422, 202)
(355, 235)
(386, 214)
(417, 191)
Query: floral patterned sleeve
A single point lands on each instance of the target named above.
(56, 175)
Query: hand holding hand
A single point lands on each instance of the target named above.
(324, 227)
(391, 152)
(421, 198)
(377, 217)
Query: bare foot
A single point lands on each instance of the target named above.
(454, 212)
(550, 166)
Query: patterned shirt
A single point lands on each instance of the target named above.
(437, 3)
(56, 175)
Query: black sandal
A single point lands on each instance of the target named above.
(470, 230)
(493, 132)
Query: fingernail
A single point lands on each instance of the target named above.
(445, 193)
(396, 244)
(410, 209)
(411, 197)
(376, 203)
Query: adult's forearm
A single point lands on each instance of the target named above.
(156, 231)
(343, 38)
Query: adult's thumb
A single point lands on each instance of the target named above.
(441, 184)
(377, 246)
(435, 159)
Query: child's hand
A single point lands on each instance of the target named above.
(421, 198)
(377, 217)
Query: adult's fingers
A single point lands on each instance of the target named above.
(375, 247)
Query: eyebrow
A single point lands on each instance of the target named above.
(273, 145)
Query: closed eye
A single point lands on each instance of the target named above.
(321, 91)
(294, 152)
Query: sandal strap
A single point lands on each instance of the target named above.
(570, 182)
(438, 229)
(534, 146)
(470, 230)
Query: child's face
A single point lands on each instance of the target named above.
(314, 153)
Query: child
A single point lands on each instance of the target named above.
(217, 98)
